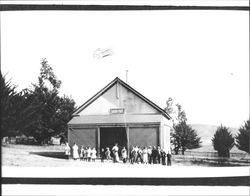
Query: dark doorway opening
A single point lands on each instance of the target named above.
(111, 135)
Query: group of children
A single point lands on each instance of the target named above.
(145, 155)
(85, 154)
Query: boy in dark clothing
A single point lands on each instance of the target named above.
(159, 154)
(107, 154)
(154, 155)
(139, 155)
(163, 157)
(169, 159)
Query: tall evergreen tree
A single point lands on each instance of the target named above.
(223, 141)
(243, 137)
(8, 110)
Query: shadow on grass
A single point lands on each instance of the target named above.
(57, 155)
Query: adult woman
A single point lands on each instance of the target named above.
(115, 153)
(75, 152)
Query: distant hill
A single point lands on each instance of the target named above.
(206, 132)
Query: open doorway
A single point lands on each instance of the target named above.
(111, 135)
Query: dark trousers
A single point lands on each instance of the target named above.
(124, 160)
(163, 161)
(159, 158)
(138, 158)
(154, 160)
(150, 159)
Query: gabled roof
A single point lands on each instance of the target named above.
(106, 88)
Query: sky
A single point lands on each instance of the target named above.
(199, 58)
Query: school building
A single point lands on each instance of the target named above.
(119, 114)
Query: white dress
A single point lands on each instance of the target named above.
(67, 150)
(145, 155)
(75, 152)
(124, 154)
(93, 154)
(115, 151)
(89, 151)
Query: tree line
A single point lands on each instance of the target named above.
(184, 137)
(38, 111)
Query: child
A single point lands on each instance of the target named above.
(169, 159)
(93, 154)
(67, 150)
(163, 155)
(81, 153)
(102, 155)
(145, 155)
(89, 154)
(132, 155)
(85, 157)
(124, 155)
(107, 153)
(150, 154)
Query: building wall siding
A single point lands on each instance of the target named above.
(166, 126)
(143, 136)
(118, 97)
(82, 136)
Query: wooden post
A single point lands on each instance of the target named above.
(159, 137)
(98, 141)
(127, 133)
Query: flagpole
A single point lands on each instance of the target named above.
(126, 76)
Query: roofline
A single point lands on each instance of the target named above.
(103, 90)
(94, 97)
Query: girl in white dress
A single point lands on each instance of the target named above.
(67, 150)
(124, 155)
(89, 151)
(75, 152)
(93, 154)
(145, 155)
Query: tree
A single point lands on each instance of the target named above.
(52, 112)
(184, 137)
(17, 110)
(242, 138)
(175, 111)
(223, 141)
(8, 111)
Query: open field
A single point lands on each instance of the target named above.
(53, 156)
